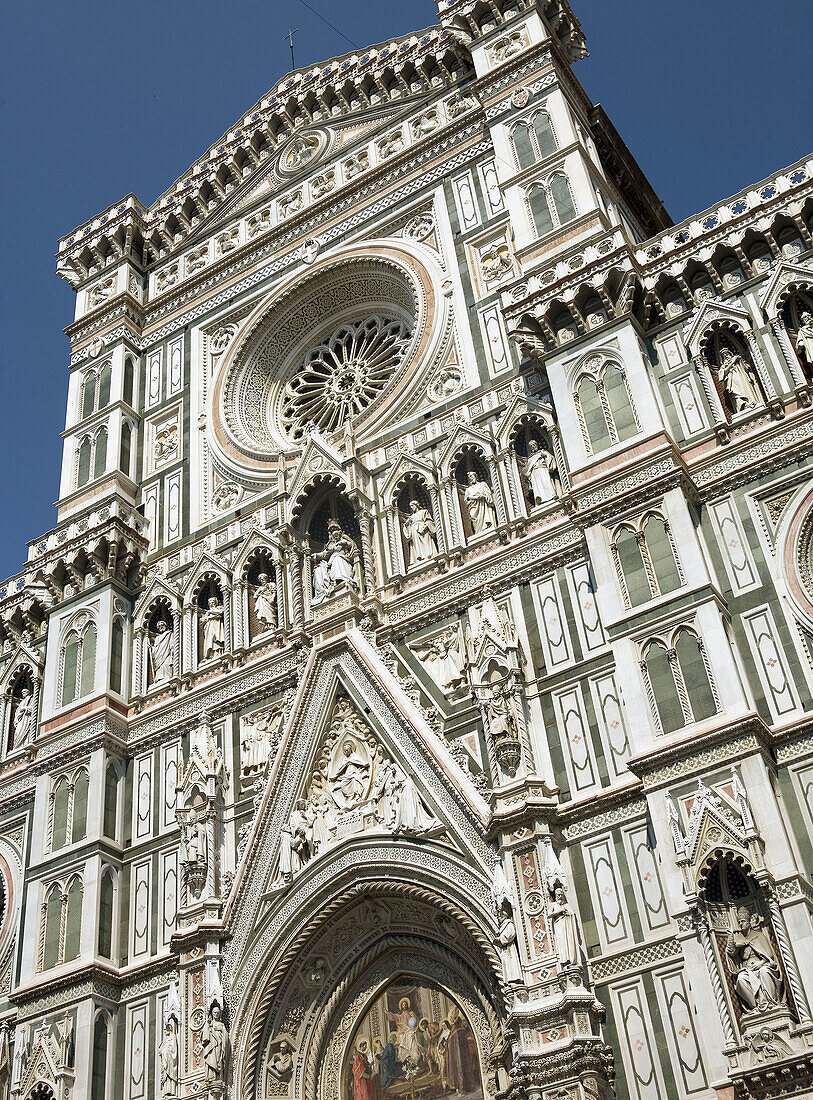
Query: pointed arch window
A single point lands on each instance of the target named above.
(89, 394)
(100, 458)
(73, 921)
(522, 141)
(551, 203)
(129, 380)
(679, 681)
(79, 807)
(78, 665)
(61, 928)
(543, 131)
(59, 815)
(562, 198)
(116, 655)
(125, 447)
(540, 210)
(98, 1077)
(646, 561)
(52, 927)
(105, 379)
(106, 896)
(111, 797)
(605, 409)
(96, 387)
(83, 464)
(534, 141)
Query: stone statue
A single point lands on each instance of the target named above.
(444, 658)
(215, 1045)
(281, 1063)
(500, 891)
(507, 943)
(21, 1055)
(737, 378)
(265, 602)
(540, 473)
(295, 842)
(419, 531)
(350, 775)
(334, 570)
(260, 732)
(753, 962)
(23, 719)
(213, 635)
(565, 928)
(168, 1057)
(195, 839)
(162, 652)
(411, 816)
(480, 503)
(499, 703)
(804, 337)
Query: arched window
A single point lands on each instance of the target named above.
(88, 660)
(83, 465)
(98, 1076)
(70, 664)
(111, 795)
(73, 921)
(100, 460)
(59, 815)
(661, 554)
(80, 807)
(540, 210)
(523, 145)
(129, 380)
(543, 130)
(106, 894)
(116, 654)
(695, 676)
(104, 385)
(562, 198)
(53, 927)
(679, 682)
(605, 409)
(664, 688)
(89, 394)
(125, 447)
(646, 561)
(631, 562)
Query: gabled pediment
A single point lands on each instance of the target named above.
(404, 465)
(785, 278)
(157, 586)
(462, 435)
(206, 563)
(713, 312)
(320, 461)
(523, 407)
(257, 538)
(358, 762)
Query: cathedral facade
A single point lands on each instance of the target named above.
(414, 697)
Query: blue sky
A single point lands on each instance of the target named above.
(100, 99)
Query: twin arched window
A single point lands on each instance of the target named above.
(61, 932)
(605, 408)
(78, 665)
(96, 390)
(679, 681)
(646, 561)
(534, 140)
(69, 808)
(92, 457)
(551, 204)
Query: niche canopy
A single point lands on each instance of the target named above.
(338, 344)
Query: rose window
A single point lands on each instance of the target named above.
(344, 374)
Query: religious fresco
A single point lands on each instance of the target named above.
(414, 1042)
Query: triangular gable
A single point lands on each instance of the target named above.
(407, 464)
(712, 312)
(785, 278)
(351, 668)
(523, 406)
(461, 435)
(257, 538)
(21, 656)
(157, 585)
(206, 563)
(320, 461)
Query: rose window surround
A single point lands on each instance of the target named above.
(344, 374)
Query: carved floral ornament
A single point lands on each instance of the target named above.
(354, 330)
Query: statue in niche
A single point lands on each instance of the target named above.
(507, 943)
(265, 602)
(65, 1041)
(194, 839)
(23, 719)
(502, 719)
(215, 1045)
(480, 503)
(213, 634)
(281, 1063)
(419, 531)
(162, 652)
(739, 382)
(565, 927)
(168, 1059)
(540, 473)
(752, 960)
(334, 570)
(804, 337)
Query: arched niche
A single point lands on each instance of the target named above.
(538, 458)
(160, 643)
(21, 709)
(210, 608)
(796, 312)
(264, 604)
(733, 370)
(416, 521)
(329, 531)
(475, 493)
